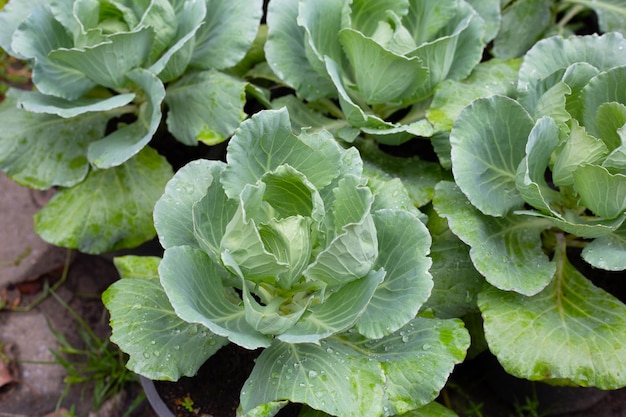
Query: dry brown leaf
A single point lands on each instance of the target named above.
(8, 368)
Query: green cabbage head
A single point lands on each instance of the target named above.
(286, 247)
(377, 57)
(541, 180)
(291, 236)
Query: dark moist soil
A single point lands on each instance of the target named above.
(215, 390)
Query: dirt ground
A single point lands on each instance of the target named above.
(30, 382)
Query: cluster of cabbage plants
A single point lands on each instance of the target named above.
(350, 268)
(103, 71)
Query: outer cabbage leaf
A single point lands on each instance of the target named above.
(193, 284)
(600, 191)
(552, 54)
(607, 252)
(507, 250)
(351, 376)
(42, 150)
(486, 152)
(227, 33)
(205, 106)
(456, 281)
(285, 50)
(111, 209)
(173, 212)
(36, 102)
(491, 77)
(571, 332)
(606, 87)
(11, 17)
(108, 63)
(173, 63)
(36, 37)
(160, 345)
(523, 23)
(265, 142)
(117, 147)
(403, 245)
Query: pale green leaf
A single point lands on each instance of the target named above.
(352, 376)
(11, 17)
(530, 180)
(486, 152)
(193, 284)
(416, 360)
(36, 102)
(489, 10)
(580, 148)
(403, 246)
(370, 18)
(337, 313)
(160, 16)
(159, 344)
(469, 30)
(211, 213)
(117, 147)
(600, 191)
(606, 87)
(228, 31)
(456, 281)
(173, 63)
(243, 249)
(579, 225)
(36, 37)
(327, 377)
(173, 212)
(607, 252)
(110, 210)
(576, 76)
(491, 77)
(610, 118)
(352, 250)
(266, 141)
(137, 267)
(552, 54)
(570, 332)
(381, 76)
(43, 150)
(425, 20)
(205, 106)
(505, 250)
(322, 20)
(108, 63)
(523, 23)
(286, 53)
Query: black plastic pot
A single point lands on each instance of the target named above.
(154, 398)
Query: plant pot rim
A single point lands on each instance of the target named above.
(154, 398)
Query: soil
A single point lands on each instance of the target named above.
(222, 376)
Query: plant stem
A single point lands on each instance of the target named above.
(571, 13)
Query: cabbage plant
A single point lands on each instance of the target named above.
(103, 71)
(287, 248)
(381, 61)
(540, 179)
